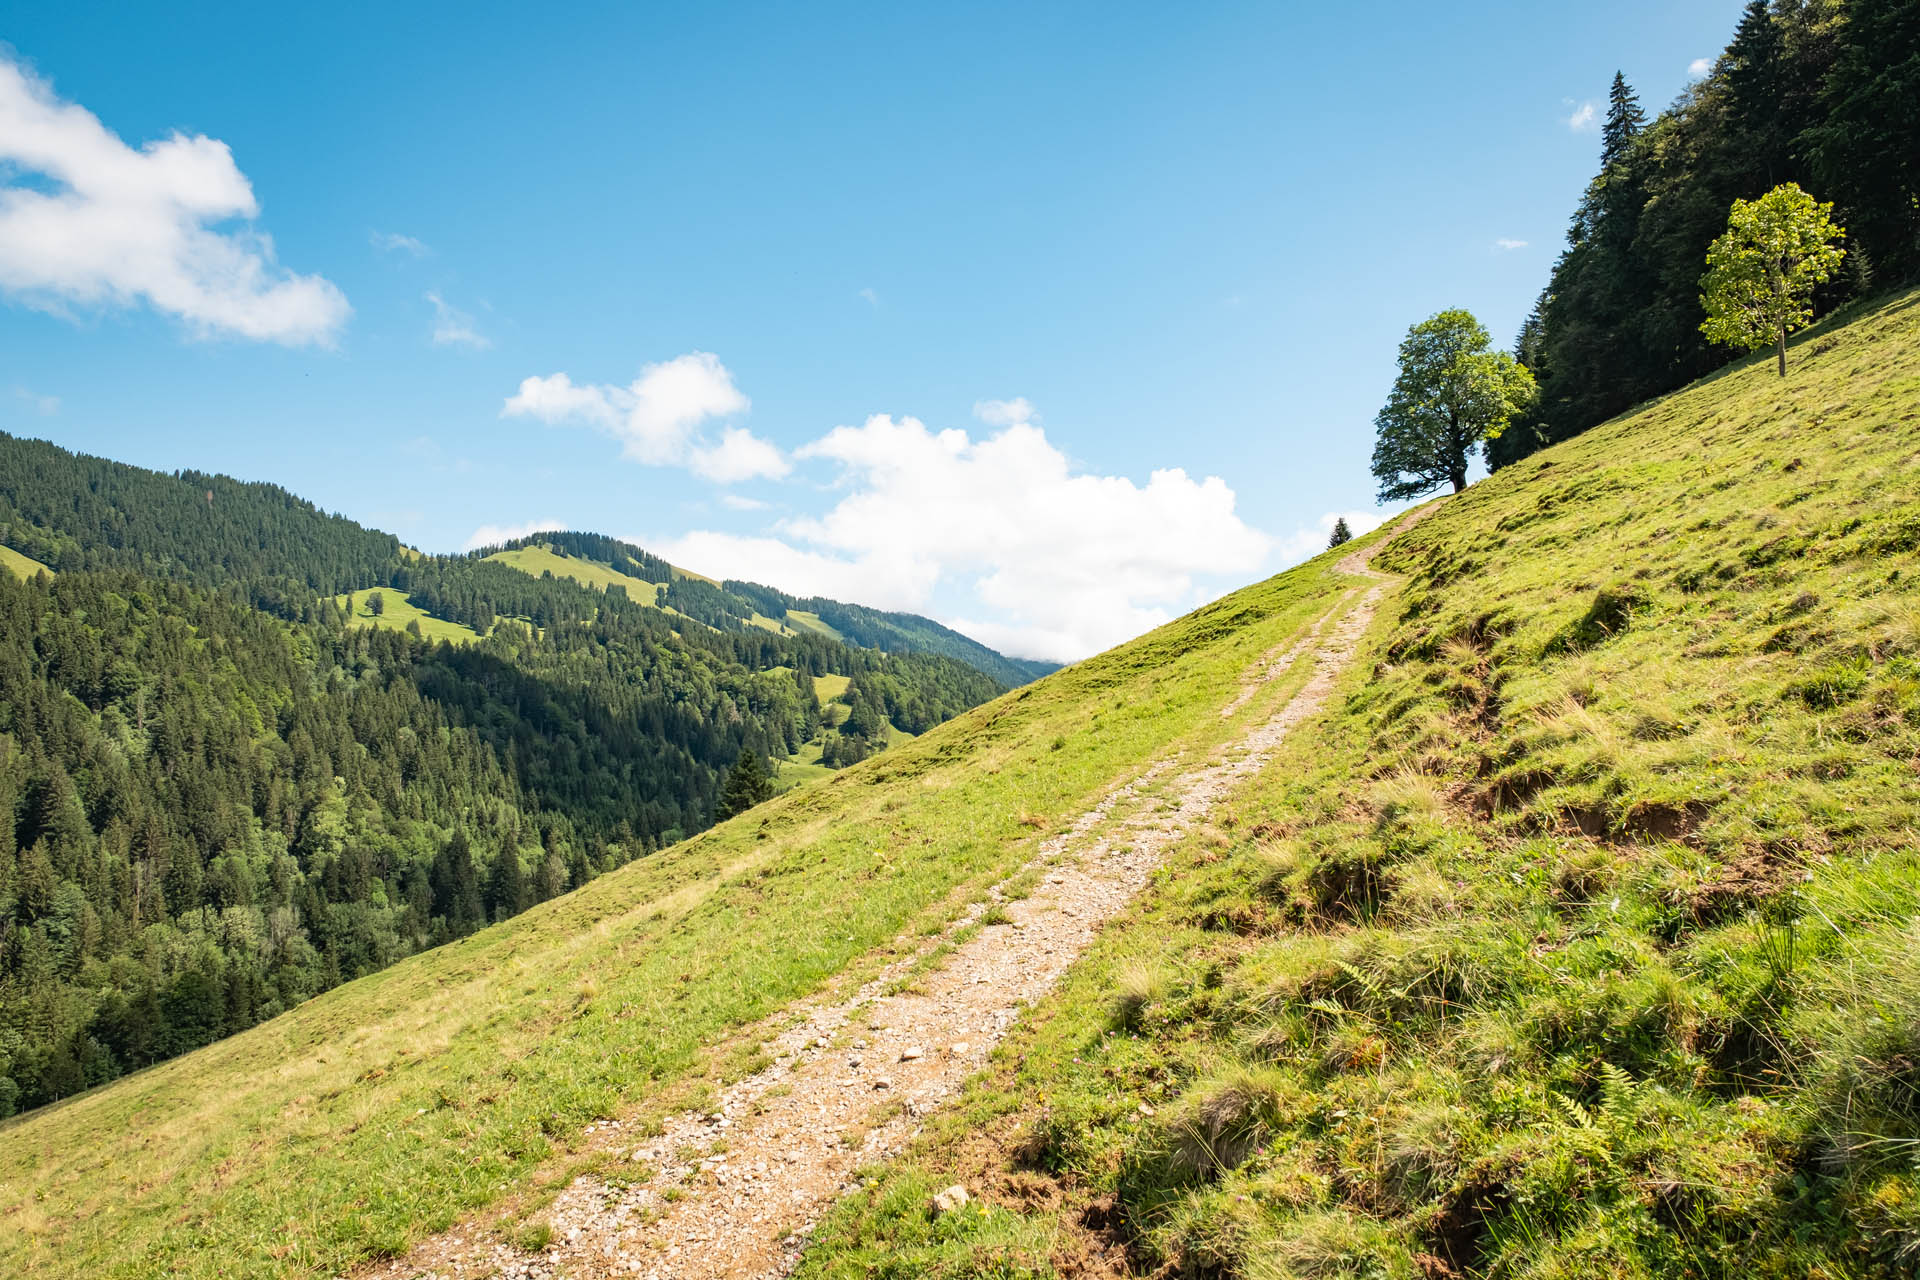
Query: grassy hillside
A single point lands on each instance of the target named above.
(457, 1079)
(396, 611)
(22, 567)
(540, 558)
(1577, 940)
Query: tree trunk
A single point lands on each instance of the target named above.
(1783, 351)
(1459, 479)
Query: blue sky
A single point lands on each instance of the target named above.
(1153, 261)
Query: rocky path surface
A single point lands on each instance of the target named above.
(732, 1193)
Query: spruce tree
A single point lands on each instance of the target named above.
(506, 885)
(1340, 534)
(1756, 74)
(1624, 120)
(746, 786)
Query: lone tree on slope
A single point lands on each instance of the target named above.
(1340, 533)
(747, 785)
(376, 603)
(1760, 275)
(1453, 392)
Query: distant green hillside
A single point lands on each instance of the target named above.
(597, 561)
(20, 566)
(72, 511)
(231, 784)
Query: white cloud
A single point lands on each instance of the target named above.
(394, 242)
(1699, 67)
(489, 534)
(774, 563)
(1309, 541)
(1509, 244)
(1003, 413)
(1583, 117)
(873, 299)
(45, 406)
(740, 502)
(1056, 564)
(98, 223)
(453, 327)
(657, 418)
(740, 455)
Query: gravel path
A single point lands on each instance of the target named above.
(733, 1193)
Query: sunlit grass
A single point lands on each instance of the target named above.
(391, 1106)
(1577, 938)
(396, 611)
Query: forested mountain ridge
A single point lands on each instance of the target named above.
(75, 511)
(226, 795)
(734, 605)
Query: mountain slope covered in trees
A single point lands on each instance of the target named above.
(738, 606)
(224, 794)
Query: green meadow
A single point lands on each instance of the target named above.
(20, 566)
(454, 1082)
(541, 559)
(396, 612)
(1575, 939)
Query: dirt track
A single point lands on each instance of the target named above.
(734, 1192)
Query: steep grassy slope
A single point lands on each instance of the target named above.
(396, 611)
(1577, 940)
(20, 566)
(539, 558)
(391, 1105)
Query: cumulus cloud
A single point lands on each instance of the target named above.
(1699, 67)
(394, 242)
(488, 535)
(740, 455)
(1509, 244)
(657, 418)
(1003, 413)
(97, 223)
(1054, 563)
(1583, 118)
(453, 327)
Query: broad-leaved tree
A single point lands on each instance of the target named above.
(1760, 275)
(1454, 391)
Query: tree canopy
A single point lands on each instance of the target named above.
(1453, 392)
(1823, 93)
(1760, 275)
